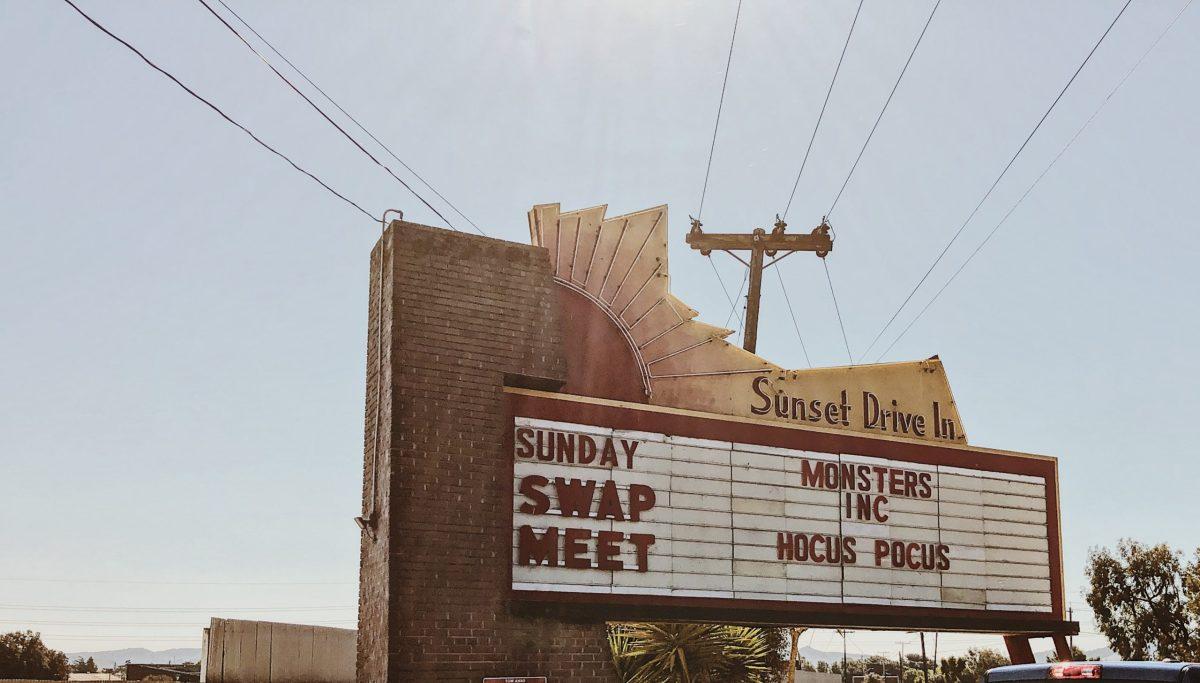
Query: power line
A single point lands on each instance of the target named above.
(326, 116)
(107, 636)
(884, 109)
(722, 283)
(180, 610)
(1054, 161)
(182, 624)
(792, 312)
(838, 310)
(804, 162)
(824, 104)
(217, 109)
(733, 302)
(347, 114)
(181, 583)
(720, 105)
(1007, 166)
(708, 167)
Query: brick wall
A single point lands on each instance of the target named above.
(374, 589)
(460, 312)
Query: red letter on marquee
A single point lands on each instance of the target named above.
(877, 508)
(882, 550)
(524, 442)
(575, 498)
(641, 499)
(642, 542)
(610, 503)
(606, 550)
(573, 545)
(783, 546)
(531, 489)
(542, 550)
(811, 474)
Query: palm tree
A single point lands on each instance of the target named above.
(693, 653)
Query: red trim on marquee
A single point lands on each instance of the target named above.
(721, 428)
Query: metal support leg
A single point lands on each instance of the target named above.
(1063, 648)
(1019, 650)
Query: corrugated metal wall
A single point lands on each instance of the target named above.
(238, 651)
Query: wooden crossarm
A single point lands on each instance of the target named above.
(784, 242)
(758, 243)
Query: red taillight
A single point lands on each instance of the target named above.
(1075, 671)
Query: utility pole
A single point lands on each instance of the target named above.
(845, 672)
(924, 661)
(901, 660)
(759, 243)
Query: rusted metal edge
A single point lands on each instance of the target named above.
(637, 353)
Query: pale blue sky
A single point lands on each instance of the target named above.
(183, 315)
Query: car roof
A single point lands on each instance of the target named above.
(1142, 671)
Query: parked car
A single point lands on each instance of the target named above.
(1134, 672)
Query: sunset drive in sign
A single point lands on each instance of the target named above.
(599, 509)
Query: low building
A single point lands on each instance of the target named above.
(816, 677)
(236, 650)
(141, 672)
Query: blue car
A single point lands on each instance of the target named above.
(1149, 672)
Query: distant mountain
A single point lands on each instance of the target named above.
(814, 655)
(111, 658)
(1104, 654)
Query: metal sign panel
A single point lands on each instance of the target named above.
(619, 264)
(717, 509)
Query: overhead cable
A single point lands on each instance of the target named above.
(996, 182)
(708, 167)
(321, 111)
(824, 104)
(733, 302)
(218, 110)
(884, 109)
(179, 583)
(721, 281)
(105, 637)
(804, 162)
(720, 105)
(347, 114)
(1054, 161)
(92, 608)
(199, 621)
(838, 310)
(792, 312)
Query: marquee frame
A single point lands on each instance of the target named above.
(642, 417)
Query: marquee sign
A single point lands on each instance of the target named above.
(654, 471)
(619, 501)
